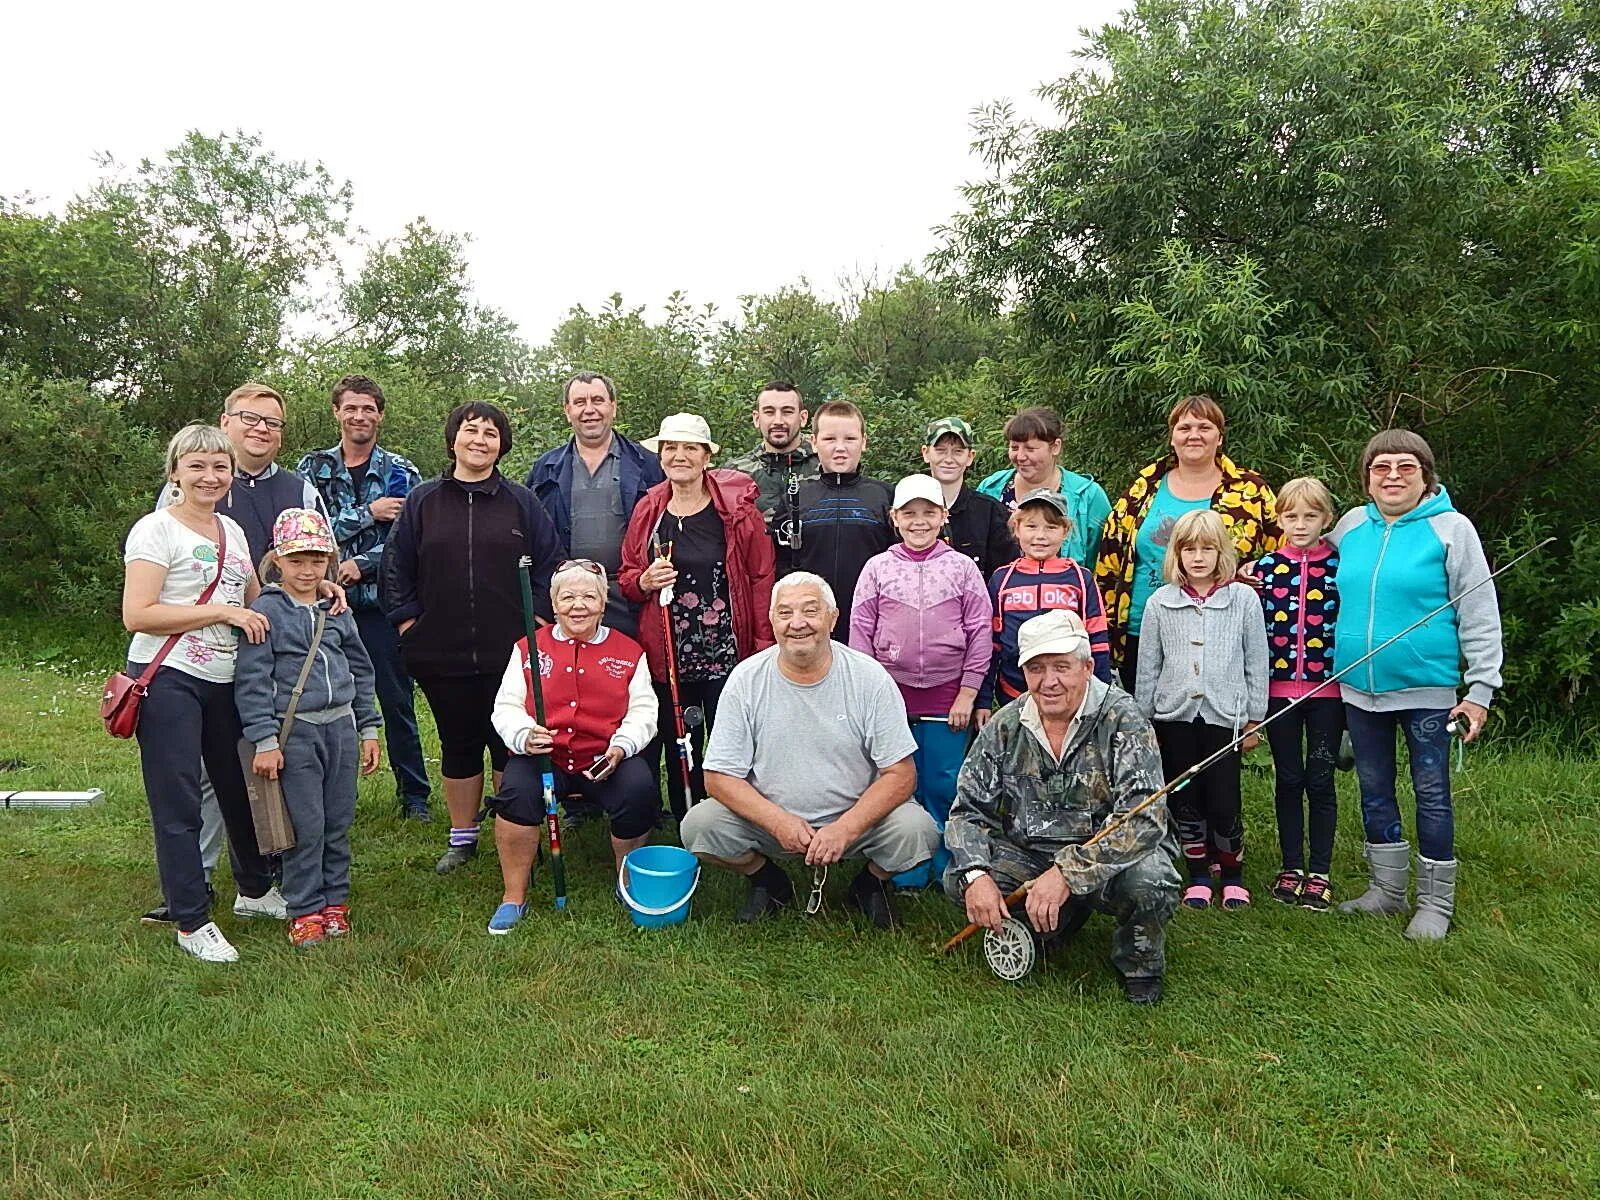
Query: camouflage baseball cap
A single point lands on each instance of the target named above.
(937, 429)
(1045, 496)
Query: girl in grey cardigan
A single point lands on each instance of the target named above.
(1202, 681)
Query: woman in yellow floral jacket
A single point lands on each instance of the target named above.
(1134, 539)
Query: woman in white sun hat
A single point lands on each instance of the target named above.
(698, 543)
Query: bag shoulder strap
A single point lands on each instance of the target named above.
(305, 673)
(149, 672)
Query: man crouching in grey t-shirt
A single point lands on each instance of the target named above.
(810, 755)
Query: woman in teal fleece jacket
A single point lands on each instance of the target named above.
(1033, 445)
(1401, 556)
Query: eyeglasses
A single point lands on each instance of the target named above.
(1403, 469)
(585, 564)
(251, 420)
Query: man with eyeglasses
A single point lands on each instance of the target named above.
(253, 418)
(590, 485)
(365, 487)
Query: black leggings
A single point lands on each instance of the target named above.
(628, 796)
(183, 721)
(1304, 746)
(1210, 804)
(461, 706)
(705, 694)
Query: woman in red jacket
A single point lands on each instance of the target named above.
(696, 550)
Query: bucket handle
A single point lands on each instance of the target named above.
(645, 910)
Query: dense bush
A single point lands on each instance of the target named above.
(1335, 215)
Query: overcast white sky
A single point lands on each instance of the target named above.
(720, 148)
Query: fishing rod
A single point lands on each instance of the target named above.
(1118, 822)
(552, 816)
(684, 720)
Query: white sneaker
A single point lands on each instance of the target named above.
(207, 944)
(269, 904)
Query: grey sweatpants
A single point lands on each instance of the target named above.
(319, 790)
(1142, 898)
(906, 838)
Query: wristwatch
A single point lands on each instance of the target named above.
(972, 876)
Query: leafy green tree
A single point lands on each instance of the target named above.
(1337, 215)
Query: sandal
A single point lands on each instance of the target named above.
(1197, 895)
(1234, 895)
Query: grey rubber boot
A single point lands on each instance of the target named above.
(1390, 866)
(1436, 900)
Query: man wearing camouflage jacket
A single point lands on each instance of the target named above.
(1048, 771)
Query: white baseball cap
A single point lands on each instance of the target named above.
(681, 427)
(918, 487)
(1058, 632)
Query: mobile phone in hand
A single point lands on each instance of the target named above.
(599, 768)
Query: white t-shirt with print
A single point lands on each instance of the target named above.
(191, 563)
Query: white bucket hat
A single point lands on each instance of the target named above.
(681, 427)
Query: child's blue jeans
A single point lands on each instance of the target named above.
(1372, 736)
(938, 757)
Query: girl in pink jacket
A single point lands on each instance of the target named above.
(922, 610)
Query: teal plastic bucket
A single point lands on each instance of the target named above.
(656, 883)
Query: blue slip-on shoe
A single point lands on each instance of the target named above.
(505, 918)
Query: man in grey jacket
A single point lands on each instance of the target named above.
(1047, 772)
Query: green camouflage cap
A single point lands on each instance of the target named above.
(937, 429)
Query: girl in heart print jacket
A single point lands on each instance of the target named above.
(1301, 603)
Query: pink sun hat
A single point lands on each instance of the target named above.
(302, 531)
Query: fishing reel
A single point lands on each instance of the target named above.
(1458, 725)
(788, 535)
(1013, 950)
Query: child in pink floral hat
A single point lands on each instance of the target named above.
(316, 759)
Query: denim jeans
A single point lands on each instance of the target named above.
(398, 702)
(1372, 735)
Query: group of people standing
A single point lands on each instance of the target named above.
(801, 650)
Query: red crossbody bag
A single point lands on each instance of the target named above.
(119, 705)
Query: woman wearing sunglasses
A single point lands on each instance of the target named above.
(601, 711)
(699, 543)
(1403, 554)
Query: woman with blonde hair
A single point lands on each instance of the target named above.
(188, 580)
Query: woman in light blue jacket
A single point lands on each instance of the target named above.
(1401, 556)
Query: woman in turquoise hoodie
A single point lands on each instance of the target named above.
(1033, 446)
(1401, 556)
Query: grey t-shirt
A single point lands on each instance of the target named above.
(811, 749)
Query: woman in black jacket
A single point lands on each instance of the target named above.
(450, 587)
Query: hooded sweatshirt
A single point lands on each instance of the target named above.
(340, 683)
(925, 616)
(1300, 602)
(1392, 574)
(1087, 507)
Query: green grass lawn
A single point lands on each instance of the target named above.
(1295, 1055)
